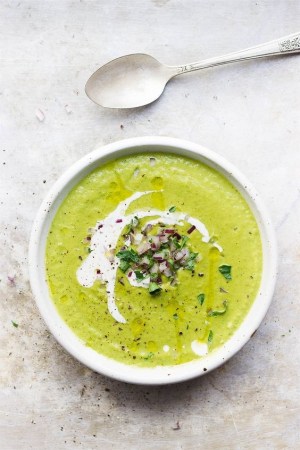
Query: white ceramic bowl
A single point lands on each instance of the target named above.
(63, 334)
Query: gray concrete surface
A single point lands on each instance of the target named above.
(249, 113)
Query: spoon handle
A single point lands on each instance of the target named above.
(284, 45)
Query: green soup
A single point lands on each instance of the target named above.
(154, 259)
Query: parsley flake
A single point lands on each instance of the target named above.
(201, 298)
(213, 313)
(139, 275)
(154, 288)
(225, 270)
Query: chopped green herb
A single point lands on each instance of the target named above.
(213, 313)
(201, 298)
(133, 224)
(171, 262)
(175, 316)
(15, 324)
(89, 250)
(225, 270)
(190, 264)
(139, 275)
(154, 288)
(184, 240)
(210, 336)
(175, 241)
(149, 356)
(153, 276)
(124, 265)
(172, 209)
(128, 255)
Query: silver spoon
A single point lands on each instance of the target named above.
(138, 79)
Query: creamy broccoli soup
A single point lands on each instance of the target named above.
(154, 259)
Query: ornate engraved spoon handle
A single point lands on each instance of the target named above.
(284, 45)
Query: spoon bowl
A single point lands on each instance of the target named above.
(129, 81)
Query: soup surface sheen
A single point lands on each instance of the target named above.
(141, 213)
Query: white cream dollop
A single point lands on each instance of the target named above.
(199, 348)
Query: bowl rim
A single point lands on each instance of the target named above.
(161, 374)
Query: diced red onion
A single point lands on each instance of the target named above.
(119, 220)
(155, 241)
(163, 238)
(159, 255)
(143, 248)
(169, 231)
(186, 254)
(138, 238)
(163, 268)
(147, 228)
(129, 275)
(179, 255)
(168, 272)
(145, 260)
(177, 236)
(190, 230)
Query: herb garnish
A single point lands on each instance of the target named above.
(175, 316)
(184, 240)
(154, 288)
(124, 265)
(201, 298)
(128, 255)
(190, 265)
(210, 336)
(213, 313)
(172, 209)
(15, 324)
(132, 225)
(225, 270)
(139, 275)
(157, 255)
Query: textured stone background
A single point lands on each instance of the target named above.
(249, 113)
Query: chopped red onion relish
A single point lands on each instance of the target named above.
(155, 256)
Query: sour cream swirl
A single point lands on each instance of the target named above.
(104, 240)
